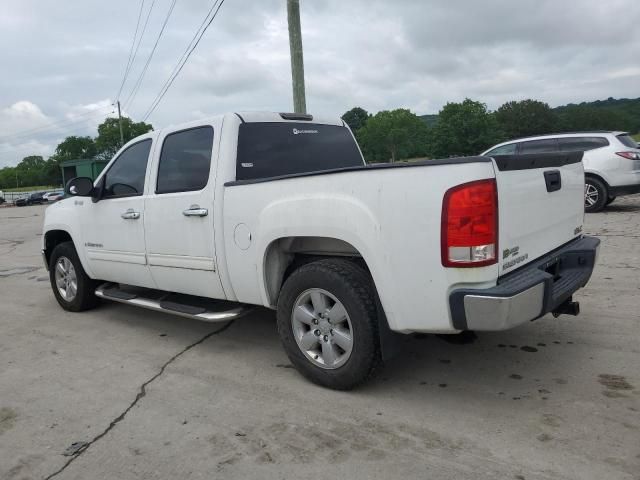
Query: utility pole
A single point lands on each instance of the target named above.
(297, 61)
(120, 124)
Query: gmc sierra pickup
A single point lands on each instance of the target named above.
(206, 219)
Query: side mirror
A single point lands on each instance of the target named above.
(80, 187)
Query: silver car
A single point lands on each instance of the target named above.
(611, 161)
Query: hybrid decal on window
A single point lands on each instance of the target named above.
(296, 131)
(246, 165)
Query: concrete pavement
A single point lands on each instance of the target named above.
(157, 396)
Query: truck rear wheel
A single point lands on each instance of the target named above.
(328, 325)
(72, 287)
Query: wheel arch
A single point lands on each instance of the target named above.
(53, 238)
(597, 176)
(285, 254)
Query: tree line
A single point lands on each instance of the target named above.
(469, 128)
(35, 170)
(459, 129)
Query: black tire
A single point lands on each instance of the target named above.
(85, 298)
(353, 287)
(610, 200)
(600, 195)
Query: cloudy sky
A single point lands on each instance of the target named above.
(63, 62)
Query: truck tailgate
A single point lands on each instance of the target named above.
(541, 205)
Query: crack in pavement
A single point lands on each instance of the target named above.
(142, 392)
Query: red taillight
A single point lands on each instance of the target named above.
(629, 155)
(470, 224)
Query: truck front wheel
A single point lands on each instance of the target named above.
(328, 325)
(72, 287)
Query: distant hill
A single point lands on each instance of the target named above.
(623, 112)
(429, 119)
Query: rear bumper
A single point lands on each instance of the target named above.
(528, 293)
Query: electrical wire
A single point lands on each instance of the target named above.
(185, 57)
(144, 29)
(136, 87)
(129, 62)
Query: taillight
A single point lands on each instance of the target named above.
(470, 224)
(629, 155)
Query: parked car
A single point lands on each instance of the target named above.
(33, 199)
(206, 219)
(1, 197)
(53, 196)
(611, 161)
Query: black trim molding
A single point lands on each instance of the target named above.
(530, 161)
(364, 168)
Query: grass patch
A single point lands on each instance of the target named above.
(636, 137)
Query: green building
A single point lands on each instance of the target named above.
(84, 167)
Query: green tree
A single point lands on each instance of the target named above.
(108, 139)
(74, 148)
(525, 118)
(393, 135)
(356, 118)
(588, 117)
(30, 170)
(465, 128)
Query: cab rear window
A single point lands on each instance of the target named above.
(273, 149)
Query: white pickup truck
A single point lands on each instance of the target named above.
(209, 218)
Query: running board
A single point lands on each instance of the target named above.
(188, 306)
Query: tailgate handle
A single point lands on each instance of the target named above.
(553, 180)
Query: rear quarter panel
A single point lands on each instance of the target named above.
(391, 216)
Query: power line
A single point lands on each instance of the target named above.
(185, 57)
(136, 87)
(144, 29)
(54, 125)
(133, 44)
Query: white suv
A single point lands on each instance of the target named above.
(611, 161)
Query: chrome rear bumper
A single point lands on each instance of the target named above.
(536, 289)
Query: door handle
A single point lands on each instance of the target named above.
(195, 211)
(130, 215)
(553, 180)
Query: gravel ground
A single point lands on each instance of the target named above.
(156, 396)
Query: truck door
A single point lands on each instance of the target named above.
(113, 232)
(178, 222)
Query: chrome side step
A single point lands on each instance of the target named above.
(188, 306)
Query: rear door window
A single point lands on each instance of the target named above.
(185, 160)
(283, 148)
(582, 144)
(547, 145)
